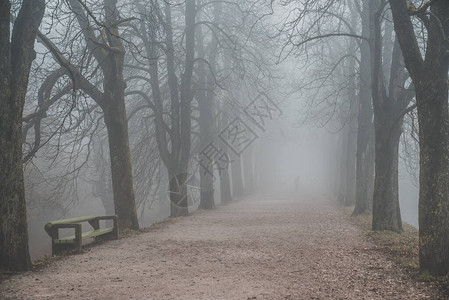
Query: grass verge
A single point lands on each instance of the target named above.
(402, 248)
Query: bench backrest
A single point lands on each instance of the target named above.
(70, 221)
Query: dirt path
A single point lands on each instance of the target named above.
(265, 247)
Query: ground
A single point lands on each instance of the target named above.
(262, 247)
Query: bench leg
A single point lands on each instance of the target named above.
(54, 246)
(115, 231)
(78, 238)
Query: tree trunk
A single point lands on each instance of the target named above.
(430, 78)
(121, 170)
(178, 194)
(350, 189)
(386, 212)
(248, 170)
(185, 109)
(351, 151)
(341, 177)
(16, 56)
(207, 191)
(111, 100)
(13, 230)
(365, 126)
(389, 108)
(225, 186)
(237, 181)
(434, 175)
(225, 180)
(206, 105)
(117, 125)
(173, 141)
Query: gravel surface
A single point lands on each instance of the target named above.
(263, 247)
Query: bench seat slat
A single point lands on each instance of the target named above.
(85, 235)
(72, 220)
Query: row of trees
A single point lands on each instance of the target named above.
(136, 72)
(393, 60)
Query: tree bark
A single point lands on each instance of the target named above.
(434, 173)
(185, 109)
(350, 188)
(237, 178)
(225, 186)
(341, 177)
(388, 118)
(178, 194)
(206, 105)
(121, 171)
(351, 139)
(225, 180)
(365, 132)
(117, 125)
(206, 179)
(386, 211)
(248, 170)
(16, 57)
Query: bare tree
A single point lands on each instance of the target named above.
(106, 47)
(207, 52)
(389, 108)
(428, 70)
(16, 56)
(173, 119)
(365, 131)
(390, 105)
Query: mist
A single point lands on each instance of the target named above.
(298, 151)
(246, 133)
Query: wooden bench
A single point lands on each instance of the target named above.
(76, 241)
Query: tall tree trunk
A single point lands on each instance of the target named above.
(206, 105)
(110, 57)
(350, 188)
(342, 166)
(181, 126)
(121, 171)
(434, 172)
(365, 125)
(117, 124)
(206, 178)
(16, 56)
(178, 194)
(237, 178)
(430, 79)
(386, 212)
(225, 186)
(431, 98)
(351, 152)
(173, 141)
(185, 108)
(248, 170)
(207, 191)
(388, 119)
(225, 180)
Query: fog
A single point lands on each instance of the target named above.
(263, 67)
(292, 155)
